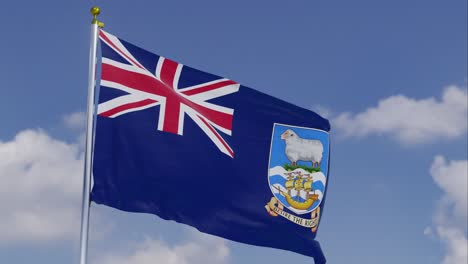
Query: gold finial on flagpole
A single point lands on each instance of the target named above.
(95, 11)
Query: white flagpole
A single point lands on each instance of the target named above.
(95, 24)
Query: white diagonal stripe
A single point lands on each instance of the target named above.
(211, 106)
(159, 67)
(202, 85)
(175, 83)
(162, 112)
(222, 129)
(194, 115)
(204, 96)
(180, 130)
(126, 67)
(122, 48)
(130, 90)
(134, 109)
(121, 100)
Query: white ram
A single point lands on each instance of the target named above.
(300, 149)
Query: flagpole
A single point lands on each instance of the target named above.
(95, 24)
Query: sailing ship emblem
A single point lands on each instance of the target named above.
(299, 184)
(297, 175)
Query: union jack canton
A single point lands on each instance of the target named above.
(144, 88)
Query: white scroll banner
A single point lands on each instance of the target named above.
(274, 208)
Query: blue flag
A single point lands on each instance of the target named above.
(202, 150)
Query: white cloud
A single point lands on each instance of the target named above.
(40, 190)
(323, 111)
(200, 249)
(452, 178)
(457, 245)
(76, 120)
(411, 120)
(427, 231)
(450, 219)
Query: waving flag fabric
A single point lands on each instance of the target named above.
(202, 150)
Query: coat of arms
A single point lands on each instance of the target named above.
(298, 170)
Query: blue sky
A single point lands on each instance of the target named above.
(390, 75)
